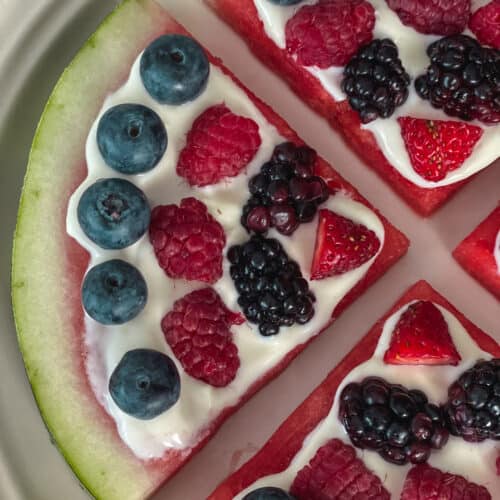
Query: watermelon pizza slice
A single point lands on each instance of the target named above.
(167, 232)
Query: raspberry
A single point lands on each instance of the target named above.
(330, 32)
(198, 331)
(187, 241)
(335, 472)
(220, 144)
(485, 24)
(437, 147)
(436, 17)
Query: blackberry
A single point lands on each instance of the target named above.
(272, 291)
(285, 192)
(375, 80)
(463, 79)
(400, 424)
(473, 407)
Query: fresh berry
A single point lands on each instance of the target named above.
(463, 79)
(335, 472)
(473, 406)
(434, 17)
(114, 292)
(497, 463)
(341, 245)
(437, 147)
(329, 33)
(131, 138)
(198, 331)
(220, 144)
(145, 383)
(421, 337)
(174, 69)
(113, 213)
(426, 482)
(485, 24)
(187, 241)
(375, 81)
(268, 492)
(400, 424)
(272, 291)
(285, 192)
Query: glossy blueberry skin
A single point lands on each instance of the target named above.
(114, 292)
(268, 493)
(131, 138)
(113, 213)
(174, 69)
(285, 2)
(145, 383)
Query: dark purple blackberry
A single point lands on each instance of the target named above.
(400, 424)
(285, 192)
(463, 79)
(375, 81)
(473, 407)
(272, 291)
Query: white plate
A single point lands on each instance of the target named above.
(38, 38)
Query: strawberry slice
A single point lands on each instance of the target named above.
(421, 337)
(437, 147)
(341, 245)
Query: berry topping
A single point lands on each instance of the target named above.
(497, 463)
(198, 331)
(145, 383)
(435, 17)
(113, 213)
(285, 192)
(485, 24)
(272, 291)
(400, 424)
(473, 406)
(375, 81)
(336, 472)
(268, 492)
(220, 144)
(341, 245)
(423, 481)
(421, 337)
(187, 241)
(437, 147)
(329, 33)
(174, 69)
(463, 79)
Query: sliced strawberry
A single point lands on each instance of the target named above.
(421, 337)
(437, 147)
(341, 245)
(485, 24)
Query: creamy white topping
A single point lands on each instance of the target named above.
(184, 424)
(474, 461)
(412, 52)
(496, 252)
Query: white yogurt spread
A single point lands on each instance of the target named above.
(184, 424)
(412, 52)
(474, 461)
(496, 251)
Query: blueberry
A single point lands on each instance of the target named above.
(174, 69)
(113, 213)
(145, 383)
(131, 138)
(268, 493)
(114, 292)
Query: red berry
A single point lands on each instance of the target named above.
(437, 17)
(336, 472)
(437, 147)
(220, 144)
(485, 24)
(198, 331)
(284, 218)
(330, 32)
(498, 465)
(187, 241)
(258, 219)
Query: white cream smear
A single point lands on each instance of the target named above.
(412, 47)
(496, 251)
(185, 424)
(475, 461)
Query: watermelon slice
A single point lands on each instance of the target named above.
(277, 454)
(48, 266)
(476, 253)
